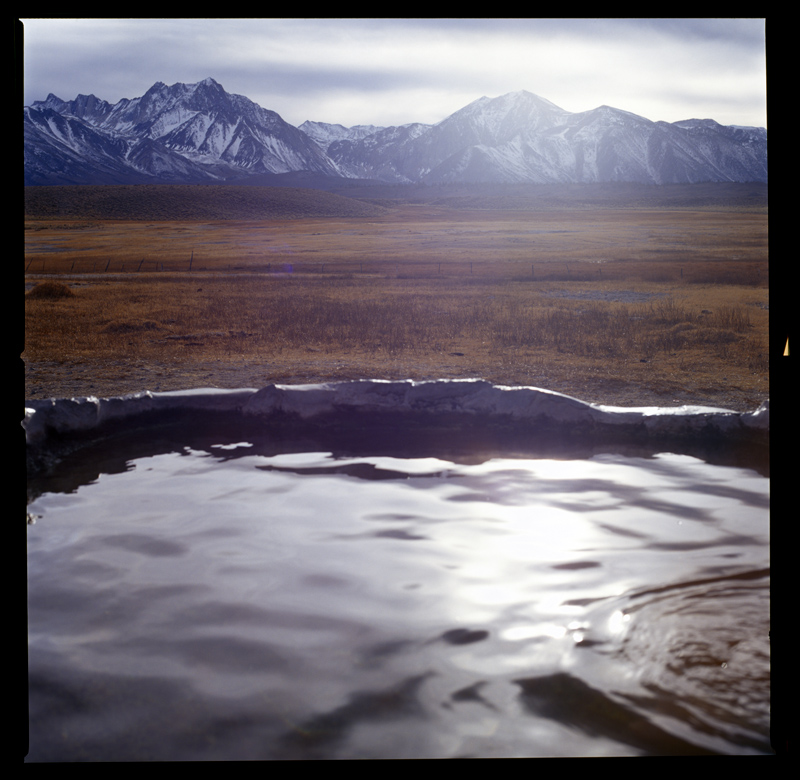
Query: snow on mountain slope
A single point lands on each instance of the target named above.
(325, 134)
(199, 132)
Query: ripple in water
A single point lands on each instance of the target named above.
(229, 602)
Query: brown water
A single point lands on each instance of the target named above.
(228, 601)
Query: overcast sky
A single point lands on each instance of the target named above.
(393, 71)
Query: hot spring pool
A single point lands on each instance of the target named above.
(219, 595)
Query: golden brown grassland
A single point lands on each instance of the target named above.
(628, 306)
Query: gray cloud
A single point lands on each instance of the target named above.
(384, 71)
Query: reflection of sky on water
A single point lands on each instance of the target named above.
(308, 577)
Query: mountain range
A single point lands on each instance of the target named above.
(199, 133)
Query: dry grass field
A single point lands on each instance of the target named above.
(627, 305)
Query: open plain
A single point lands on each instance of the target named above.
(618, 295)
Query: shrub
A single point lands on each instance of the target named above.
(50, 291)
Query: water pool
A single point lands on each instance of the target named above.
(225, 595)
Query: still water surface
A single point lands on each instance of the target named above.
(231, 603)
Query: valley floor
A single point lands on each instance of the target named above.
(618, 301)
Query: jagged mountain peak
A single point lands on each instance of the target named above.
(203, 93)
(51, 101)
(189, 132)
(184, 86)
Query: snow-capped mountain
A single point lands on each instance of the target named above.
(521, 137)
(185, 132)
(199, 132)
(325, 134)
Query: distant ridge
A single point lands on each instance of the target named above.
(552, 197)
(201, 134)
(161, 202)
